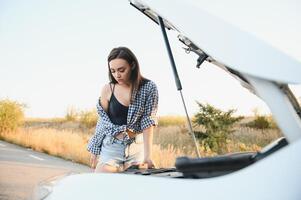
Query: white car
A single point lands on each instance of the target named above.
(274, 173)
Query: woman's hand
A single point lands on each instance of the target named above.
(93, 160)
(148, 163)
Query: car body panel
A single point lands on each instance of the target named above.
(275, 177)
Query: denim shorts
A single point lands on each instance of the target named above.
(117, 153)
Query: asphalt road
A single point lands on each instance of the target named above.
(22, 169)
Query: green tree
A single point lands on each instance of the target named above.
(217, 124)
(260, 122)
(11, 115)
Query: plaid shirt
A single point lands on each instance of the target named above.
(141, 115)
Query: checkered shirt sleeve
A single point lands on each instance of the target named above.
(149, 117)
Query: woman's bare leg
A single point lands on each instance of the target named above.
(104, 168)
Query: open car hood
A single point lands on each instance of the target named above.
(225, 44)
(260, 67)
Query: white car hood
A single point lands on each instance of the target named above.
(224, 41)
(275, 177)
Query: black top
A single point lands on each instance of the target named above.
(117, 112)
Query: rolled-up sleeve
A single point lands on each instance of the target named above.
(149, 117)
(94, 145)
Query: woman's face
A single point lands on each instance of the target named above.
(120, 70)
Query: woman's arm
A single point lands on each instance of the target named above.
(148, 146)
(105, 96)
(148, 121)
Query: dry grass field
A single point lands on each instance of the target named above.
(68, 139)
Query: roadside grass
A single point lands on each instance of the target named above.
(72, 145)
(250, 136)
(170, 120)
(67, 139)
(65, 144)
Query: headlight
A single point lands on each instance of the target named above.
(45, 187)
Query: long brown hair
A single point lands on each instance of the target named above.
(136, 78)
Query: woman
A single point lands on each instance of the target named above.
(127, 115)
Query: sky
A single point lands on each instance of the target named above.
(53, 57)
